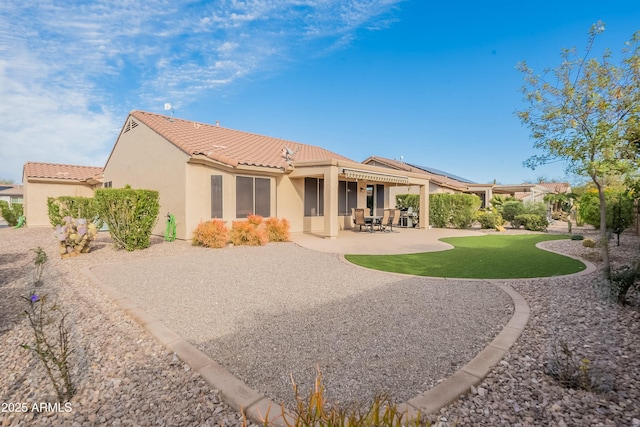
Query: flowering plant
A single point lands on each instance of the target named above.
(51, 343)
(75, 236)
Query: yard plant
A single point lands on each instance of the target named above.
(481, 257)
(130, 214)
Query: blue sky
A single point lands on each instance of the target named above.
(433, 82)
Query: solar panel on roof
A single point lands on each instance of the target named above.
(442, 173)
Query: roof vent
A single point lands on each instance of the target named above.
(130, 126)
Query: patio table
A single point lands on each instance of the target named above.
(373, 220)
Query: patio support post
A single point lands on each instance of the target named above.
(331, 226)
(488, 195)
(423, 221)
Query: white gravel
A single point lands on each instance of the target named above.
(367, 332)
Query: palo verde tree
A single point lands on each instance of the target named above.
(583, 113)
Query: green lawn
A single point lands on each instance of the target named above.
(483, 257)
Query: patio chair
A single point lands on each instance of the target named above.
(395, 220)
(386, 219)
(358, 219)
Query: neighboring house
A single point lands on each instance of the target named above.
(206, 171)
(444, 182)
(44, 180)
(12, 194)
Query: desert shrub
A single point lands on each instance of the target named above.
(464, 209)
(12, 213)
(212, 234)
(277, 229)
(130, 214)
(568, 369)
(490, 219)
(511, 209)
(535, 208)
(498, 201)
(457, 210)
(619, 214)
(589, 243)
(530, 222)
(75, 207)
(623, 279)
(577, 237)
(255, 220)
(247, 233)
(439, 210)
(315, 410)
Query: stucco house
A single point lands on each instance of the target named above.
(205, 171)
(44, 180)
(444, 182)
(12, 194)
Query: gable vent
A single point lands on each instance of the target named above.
(130, 126)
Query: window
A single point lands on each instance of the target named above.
(253, 195)
(216, 196)
(313, 197)
(347, 197)
(107, 184)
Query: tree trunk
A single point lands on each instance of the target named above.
(604, 239)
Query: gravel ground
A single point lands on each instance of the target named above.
(126, 378)
(295, 309)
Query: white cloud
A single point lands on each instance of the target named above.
(70, 71)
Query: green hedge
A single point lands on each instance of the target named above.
(619, 205)
(11, 214)
(74, 207)
(130, 215)
(456, 210)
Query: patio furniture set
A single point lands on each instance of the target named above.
(386, 222)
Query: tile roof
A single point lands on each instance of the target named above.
(435, 175)
(556, 187)
(228, 146)
(58, 171)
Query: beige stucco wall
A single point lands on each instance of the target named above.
(36, 193)
(290, 203)
(144, 160)
(198, 193)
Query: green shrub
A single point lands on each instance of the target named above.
(439, 209)
(619, 215)
(511, 209)
(457, 210)
(530, 222)
(535, 208)
(463, 209)
(12, 213)
(74, 207)
(130, 215)
(577, 237)
(490, 219)
(212, 234)
(589, 243)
